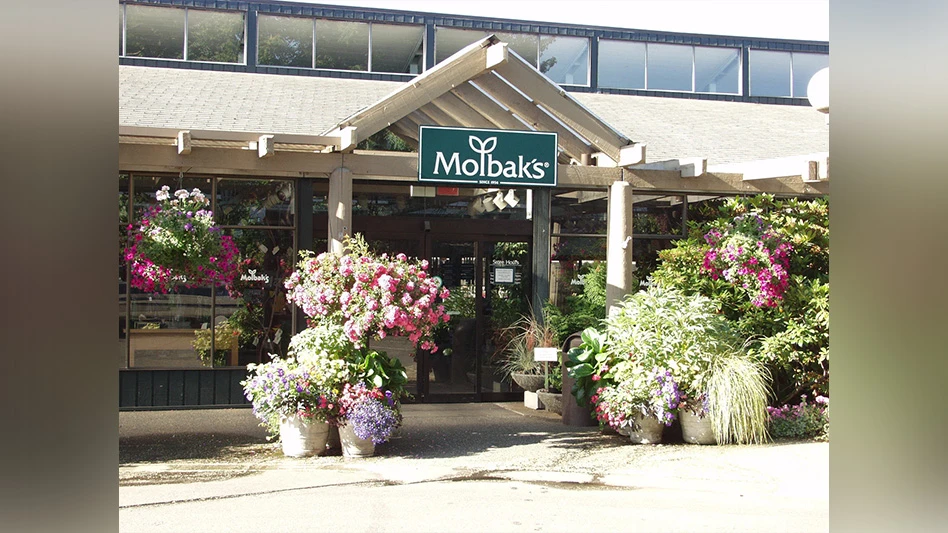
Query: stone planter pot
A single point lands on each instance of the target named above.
(695, 429)
(529, 382)
(647, 430)
(552, 401)
(303, 438)
(352, 445)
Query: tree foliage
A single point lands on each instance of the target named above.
(792, 339)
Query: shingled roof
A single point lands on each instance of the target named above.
(722, 132)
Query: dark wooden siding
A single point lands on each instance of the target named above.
(159, 389)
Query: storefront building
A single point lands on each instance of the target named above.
(304, 124)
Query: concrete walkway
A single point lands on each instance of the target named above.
(207, 461)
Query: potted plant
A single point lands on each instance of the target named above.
(551, 396)
(637, 403)
(290, 406)
(177, 243)
(520, 360)
(225, 341)
(724, 392)
(368, 416)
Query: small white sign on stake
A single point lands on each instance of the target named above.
(546, 354)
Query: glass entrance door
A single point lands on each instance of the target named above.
(489, 285)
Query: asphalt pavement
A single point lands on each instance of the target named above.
(460, 467)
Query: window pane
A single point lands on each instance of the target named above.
(804, 67)
(579, 211)
(154, 32)
(524, 44)
(449, 40)
(669, 67)
(621, 64)
(255, 317)
(342, 45)
(285, 41)
(397, 48)
(121, 23)
(565, 59)
(215, 36)
(717, 70)
(165, 328)
(122, 347)
(657, 215)
(769, 73)
(255, 202)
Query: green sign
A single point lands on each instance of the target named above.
(487, 157)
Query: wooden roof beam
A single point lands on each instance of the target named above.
(245, 137)
(463, 113)
(471, 61)
(480, 102)
(689, 168)
(807, 167)
(554, 99)
(435, 116)
(529, 113)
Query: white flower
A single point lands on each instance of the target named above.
(181, 194)
(162, 194)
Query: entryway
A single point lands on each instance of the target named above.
(486, 264)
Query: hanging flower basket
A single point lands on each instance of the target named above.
(177, 244)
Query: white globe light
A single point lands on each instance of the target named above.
(817, 91)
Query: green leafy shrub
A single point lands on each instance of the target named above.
(580, 311)
(791, 339)
(800, 421)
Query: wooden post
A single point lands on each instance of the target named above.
(340, 208)
(541, 250)
(619, 266)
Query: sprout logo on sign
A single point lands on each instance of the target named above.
(487, 157)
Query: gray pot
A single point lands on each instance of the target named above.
(529, 382)
(552, 401)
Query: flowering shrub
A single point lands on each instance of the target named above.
(751, 254)
(283, 388)
(804, 420)
(325, 350)
(651, 394)
(178, 243)
(369, 295)
(372, 413)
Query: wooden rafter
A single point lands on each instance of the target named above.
(469, 62)
(528, 112)
(557, 101)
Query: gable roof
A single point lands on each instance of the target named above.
(722, 132)
(485, 85)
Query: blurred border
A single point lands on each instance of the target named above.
(888, 214)
(59, 159)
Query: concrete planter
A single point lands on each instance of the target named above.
(529, 382)
(552, 401)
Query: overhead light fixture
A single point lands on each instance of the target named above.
(511, 198)
(499, 201)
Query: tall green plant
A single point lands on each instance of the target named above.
(582, 364)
